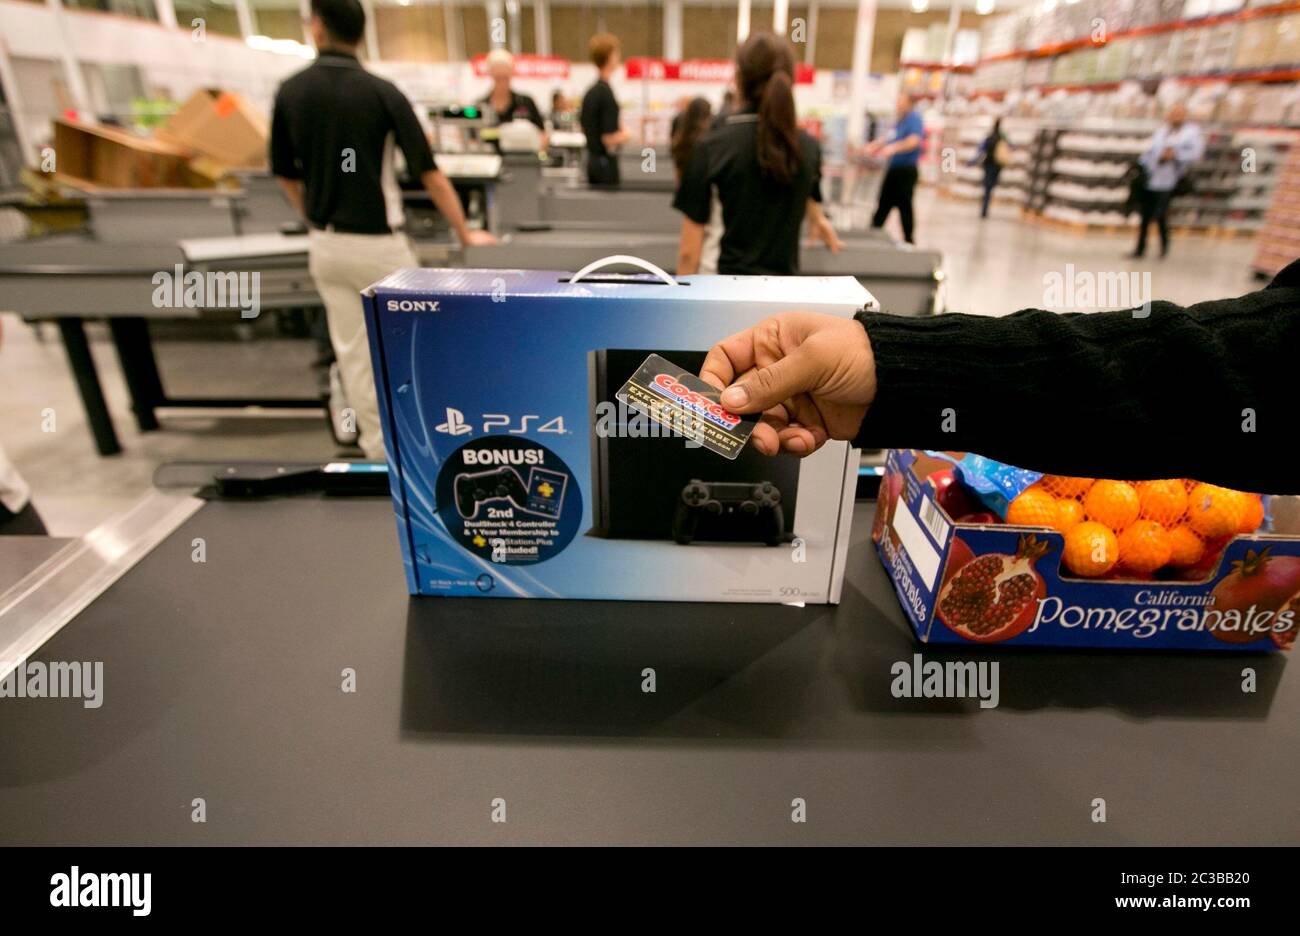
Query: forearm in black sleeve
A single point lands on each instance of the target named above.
(1203, 392)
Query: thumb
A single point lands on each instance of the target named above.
(767, 386)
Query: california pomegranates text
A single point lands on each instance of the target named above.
(1149, 621)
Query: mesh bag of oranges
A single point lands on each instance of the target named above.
(1173, 528)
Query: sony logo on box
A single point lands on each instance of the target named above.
(413, 305)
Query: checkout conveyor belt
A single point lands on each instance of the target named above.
(222, 679)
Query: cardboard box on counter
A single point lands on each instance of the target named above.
(221, 126)
(90, 156)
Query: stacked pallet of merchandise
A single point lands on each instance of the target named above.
(1079, 173)
(1278, 240)
(1098, 74)
(1103, 42)
(1233, 185)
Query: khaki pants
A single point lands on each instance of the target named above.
(342, 265)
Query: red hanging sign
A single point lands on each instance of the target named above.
(701, 70)
(527, 66)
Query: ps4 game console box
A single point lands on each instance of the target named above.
(518, 471)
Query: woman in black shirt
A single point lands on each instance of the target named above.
(767, 172)
(600, 114)
(505, 102)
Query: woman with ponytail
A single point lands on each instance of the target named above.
(765, 170)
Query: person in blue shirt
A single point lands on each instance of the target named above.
(903, 150)
(1173, 150)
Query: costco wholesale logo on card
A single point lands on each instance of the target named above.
(671, 387)
(413, 305)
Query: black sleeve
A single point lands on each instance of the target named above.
(283, 159)
(1199, 392)
(608, 122)
(695, 193)
(816, 193)
(409, 134)
(534, 115)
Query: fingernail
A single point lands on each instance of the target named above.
(735, 396)
(797, 445)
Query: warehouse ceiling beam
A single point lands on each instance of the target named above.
(244, 15)
(166, 13)
(542, 26)
(863, 37)
(673, 30)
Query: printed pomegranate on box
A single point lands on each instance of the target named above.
(984, 552)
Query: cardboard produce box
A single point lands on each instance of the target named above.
(221, 126)
(1181, 574)
(109, 157)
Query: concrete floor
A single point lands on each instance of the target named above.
(994, 267)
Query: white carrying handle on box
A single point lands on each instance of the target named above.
(624, 258)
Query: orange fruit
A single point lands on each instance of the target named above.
(1032, 507)
(1091, 549)
(1069, 514)
(1112, 503)
(1254, 514)
(1163, 501)
(1144, 547)
(1064, 486)
(1215, 511)
(1185, 547)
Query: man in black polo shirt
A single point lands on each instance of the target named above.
(332, 137)
(600, 118)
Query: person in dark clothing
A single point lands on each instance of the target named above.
(903, 150)
(600, 120)
(689, 125)
(1175, 147)
(993, 155)
(334, 131)
(765, 170)
(1204, 391)
(507, 103)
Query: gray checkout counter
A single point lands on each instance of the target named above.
(72, 280)
(152, 216)
(614, 209)
(221, 680)
(905, 280)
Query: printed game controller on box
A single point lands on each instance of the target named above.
(730, 501)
